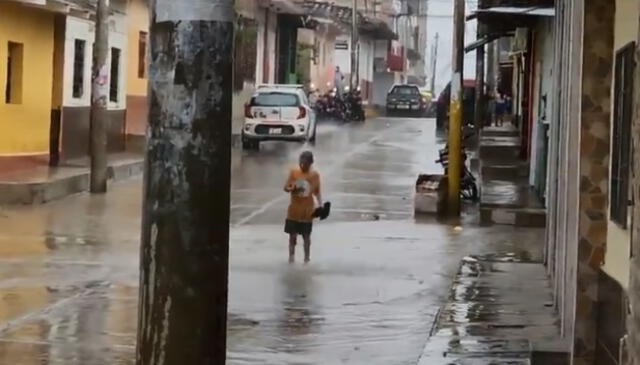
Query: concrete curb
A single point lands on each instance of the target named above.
(519, 217)
(40, 192)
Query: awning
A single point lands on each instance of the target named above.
(376, 29)
(321, 20)
(61, 6)
(33, 2)
(286, 7)
(477, 44)
(511, 10)
(482, 41)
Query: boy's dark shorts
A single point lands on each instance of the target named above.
(295, 227)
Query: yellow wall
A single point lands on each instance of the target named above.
(24, 128)
(138, 14)
(618, 239)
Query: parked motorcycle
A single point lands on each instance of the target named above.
(468, 183)
(329, 106)
(355, 109)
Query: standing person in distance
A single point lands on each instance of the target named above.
(303, 185)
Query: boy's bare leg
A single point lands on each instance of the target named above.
(307, 248)
(293, 241)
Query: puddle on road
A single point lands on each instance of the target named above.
(302, 323)
(353, 334)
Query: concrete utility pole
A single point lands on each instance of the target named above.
(99, 97)
(185, 223)
(434, 67)
(479, 111)
(354, 46)
(455, 111)
(490, 76)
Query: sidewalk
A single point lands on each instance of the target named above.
(500, 308)
(500, 311)
(506, 197)
(42, 184)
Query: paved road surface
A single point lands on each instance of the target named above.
(68, 270)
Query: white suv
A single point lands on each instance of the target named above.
(278, 113)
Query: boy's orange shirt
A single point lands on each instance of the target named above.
(303, 203)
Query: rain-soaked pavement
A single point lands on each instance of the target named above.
(68, 270)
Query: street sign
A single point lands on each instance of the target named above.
(342, 45)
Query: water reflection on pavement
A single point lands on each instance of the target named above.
(69, 269)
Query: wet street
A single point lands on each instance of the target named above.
(69, 269)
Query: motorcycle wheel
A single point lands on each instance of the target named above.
(474, 192)
(470, 193)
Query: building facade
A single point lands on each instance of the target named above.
(137, 70)
(47, 46)
(26, 78)
(572, 79)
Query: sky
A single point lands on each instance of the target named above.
(440, 20)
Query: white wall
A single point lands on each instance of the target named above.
(322, 72)
(260, 16)
(83, 29)
(343, 56)
(118, 38)
(78, 28)
(616, 261)
(260, 19)
(367, 54)
(382, 83)
(564, 177)
(272, 45)
(544, 54)
(266, 27)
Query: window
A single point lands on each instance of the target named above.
(405, 90)
(13, 87)
(142, 55)
(114, 85)
(78, 68)
(621, 139)
(275, 99)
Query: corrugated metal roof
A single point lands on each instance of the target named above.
(533, 11)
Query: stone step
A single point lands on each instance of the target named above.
(448, 360)
(508, 193)
(504, 171)
(500, 132)
(501, 149)
(519, 217)
(445, 349)
(504, 154)
(550, 358)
